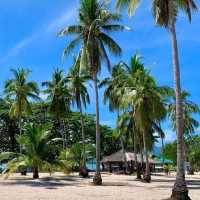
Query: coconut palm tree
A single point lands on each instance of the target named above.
(80, 96)
(113, 87)
(127, 120)
(59, 97)
(37, 153)
(72, 158)
(95, 22)
(189, 108)
(144, 96)
(20, 91)
(165, 13)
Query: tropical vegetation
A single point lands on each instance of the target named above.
(50, 129)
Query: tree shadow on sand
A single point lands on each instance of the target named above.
(46, 182)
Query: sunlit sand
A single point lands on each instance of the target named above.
(115, 187)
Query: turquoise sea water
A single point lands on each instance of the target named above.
(91, 164)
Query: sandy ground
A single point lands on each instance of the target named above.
(115, 187)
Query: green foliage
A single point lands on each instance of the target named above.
(58, 95)
(20, 90)
(193, 152)
(189, 109)
(170, 151)
(95, 21)
(72, 158)
(38, 150)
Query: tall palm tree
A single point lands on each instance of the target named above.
(95, 21)
(77, 84)
(144, 96)
(20, 91)
(113, 93)
(127, 120)
(165, 13)
(59, 97)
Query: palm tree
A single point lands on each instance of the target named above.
(94, 20)
(144, 96)
(20, 91)
(126, 121)
(37, 154)
(77, 84)
(72, 158)
(112, 95)
(189, 108)
(59, 97)
(113, 87)
(165, 13)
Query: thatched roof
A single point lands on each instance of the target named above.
(120, 157)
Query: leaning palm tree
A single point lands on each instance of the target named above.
(59, 97)
(165, 13)
(95, 21)
(20, 91)
(144, 96)
(38, 150)
(80, 96)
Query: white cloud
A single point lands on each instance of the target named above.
(110, 123)
(43, 96)
(170, 136)
(52, 26)
(60, 21)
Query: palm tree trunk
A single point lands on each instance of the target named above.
(138, 172)
(180, 190)
(83, 134)
(147, 176)
(124, 155)
(142, 158)
(97, 180)
(35, 173)
(20, 133)
(163, 159)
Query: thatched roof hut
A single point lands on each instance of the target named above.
(120, 157)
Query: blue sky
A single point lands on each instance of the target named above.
(28, 39)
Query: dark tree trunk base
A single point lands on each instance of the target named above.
(180, 195)
(138, 172)
(35, 173)
(97, 180)
(35, 176)
(84, 173)
(147, 178)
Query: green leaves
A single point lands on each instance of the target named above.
(94, 20)
(131, 5)
(59, 94)
(20, 90)
(37, 150)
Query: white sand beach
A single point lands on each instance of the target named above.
(115, 187)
